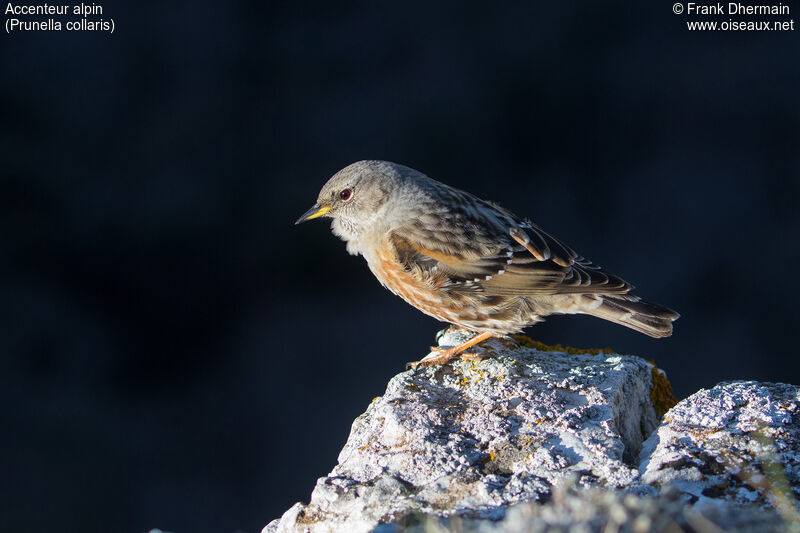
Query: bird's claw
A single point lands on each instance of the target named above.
(440, 356)
(433, 359)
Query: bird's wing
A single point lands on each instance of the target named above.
(541, 264)
(481, 247)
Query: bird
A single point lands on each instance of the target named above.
(467, 261)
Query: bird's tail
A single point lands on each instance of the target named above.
(627, 310)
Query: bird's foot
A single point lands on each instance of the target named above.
(440, 356)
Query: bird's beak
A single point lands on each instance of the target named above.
(315, 212)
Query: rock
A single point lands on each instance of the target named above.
(535, 437)
(739, 441)
(470, 438)
(600, 510)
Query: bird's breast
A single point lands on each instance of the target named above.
(427, 295)
(422, 294)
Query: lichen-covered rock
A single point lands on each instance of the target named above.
(469, 438)
(480, 446)
(600, 510)
(739, 441)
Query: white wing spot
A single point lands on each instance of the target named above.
(509, 261)
(488, 278)
(501, 272)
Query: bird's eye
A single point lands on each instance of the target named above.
(346, 194)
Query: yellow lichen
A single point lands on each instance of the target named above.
(527, 342)
(472, 373)
(661, 392)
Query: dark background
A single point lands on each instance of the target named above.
(174, 353)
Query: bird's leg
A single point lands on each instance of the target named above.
(451, 353)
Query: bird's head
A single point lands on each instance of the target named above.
(355, 197)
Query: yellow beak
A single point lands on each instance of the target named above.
(315, 212)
